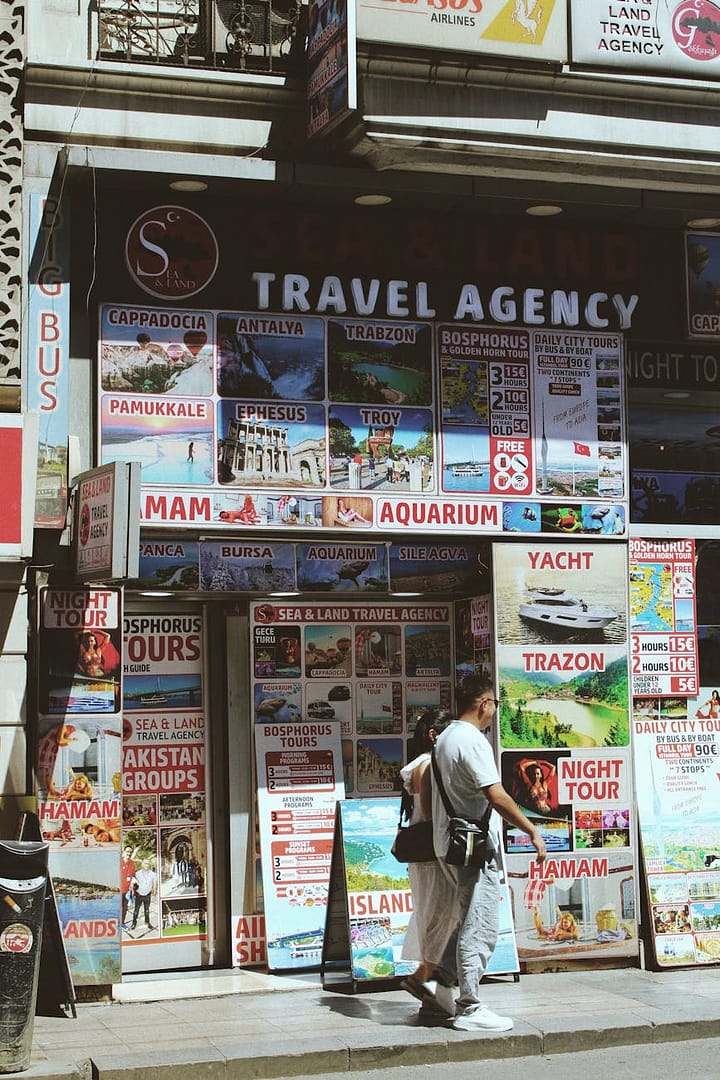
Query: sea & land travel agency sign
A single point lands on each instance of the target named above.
(677, 36)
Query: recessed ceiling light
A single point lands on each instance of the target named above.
(373, 200)
(544, 210)
(188, 185)
(703, 223)
(155, 592)
(295, 593)
(676, 395)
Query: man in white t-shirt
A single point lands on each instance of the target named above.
(146, 882)
(470, 776)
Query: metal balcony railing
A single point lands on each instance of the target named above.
(249, 35)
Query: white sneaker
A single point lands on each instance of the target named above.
(483, 1019)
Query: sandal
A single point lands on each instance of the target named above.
(418, 989)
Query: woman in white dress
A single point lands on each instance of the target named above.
(433, 896)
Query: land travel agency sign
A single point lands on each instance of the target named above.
(681, 37)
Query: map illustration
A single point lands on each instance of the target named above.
(651, 599)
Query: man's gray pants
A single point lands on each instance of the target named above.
(471, 945)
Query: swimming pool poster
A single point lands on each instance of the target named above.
(370, 902)
(663, 628)
(581, 904)
(299, 781)
(677, 760)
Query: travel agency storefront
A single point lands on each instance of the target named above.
(380, 449)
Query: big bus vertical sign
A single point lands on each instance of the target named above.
(48, 345)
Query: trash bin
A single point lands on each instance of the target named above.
(23, 881)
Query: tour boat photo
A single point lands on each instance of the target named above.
(467, 468)
(555, 607)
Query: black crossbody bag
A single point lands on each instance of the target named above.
(414, 843)
(469, 840)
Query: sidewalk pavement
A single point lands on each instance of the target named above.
(254, 1025)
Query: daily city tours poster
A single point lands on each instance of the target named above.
(561, 627)
(677, 764)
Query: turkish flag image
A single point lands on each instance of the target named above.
(582, 448)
